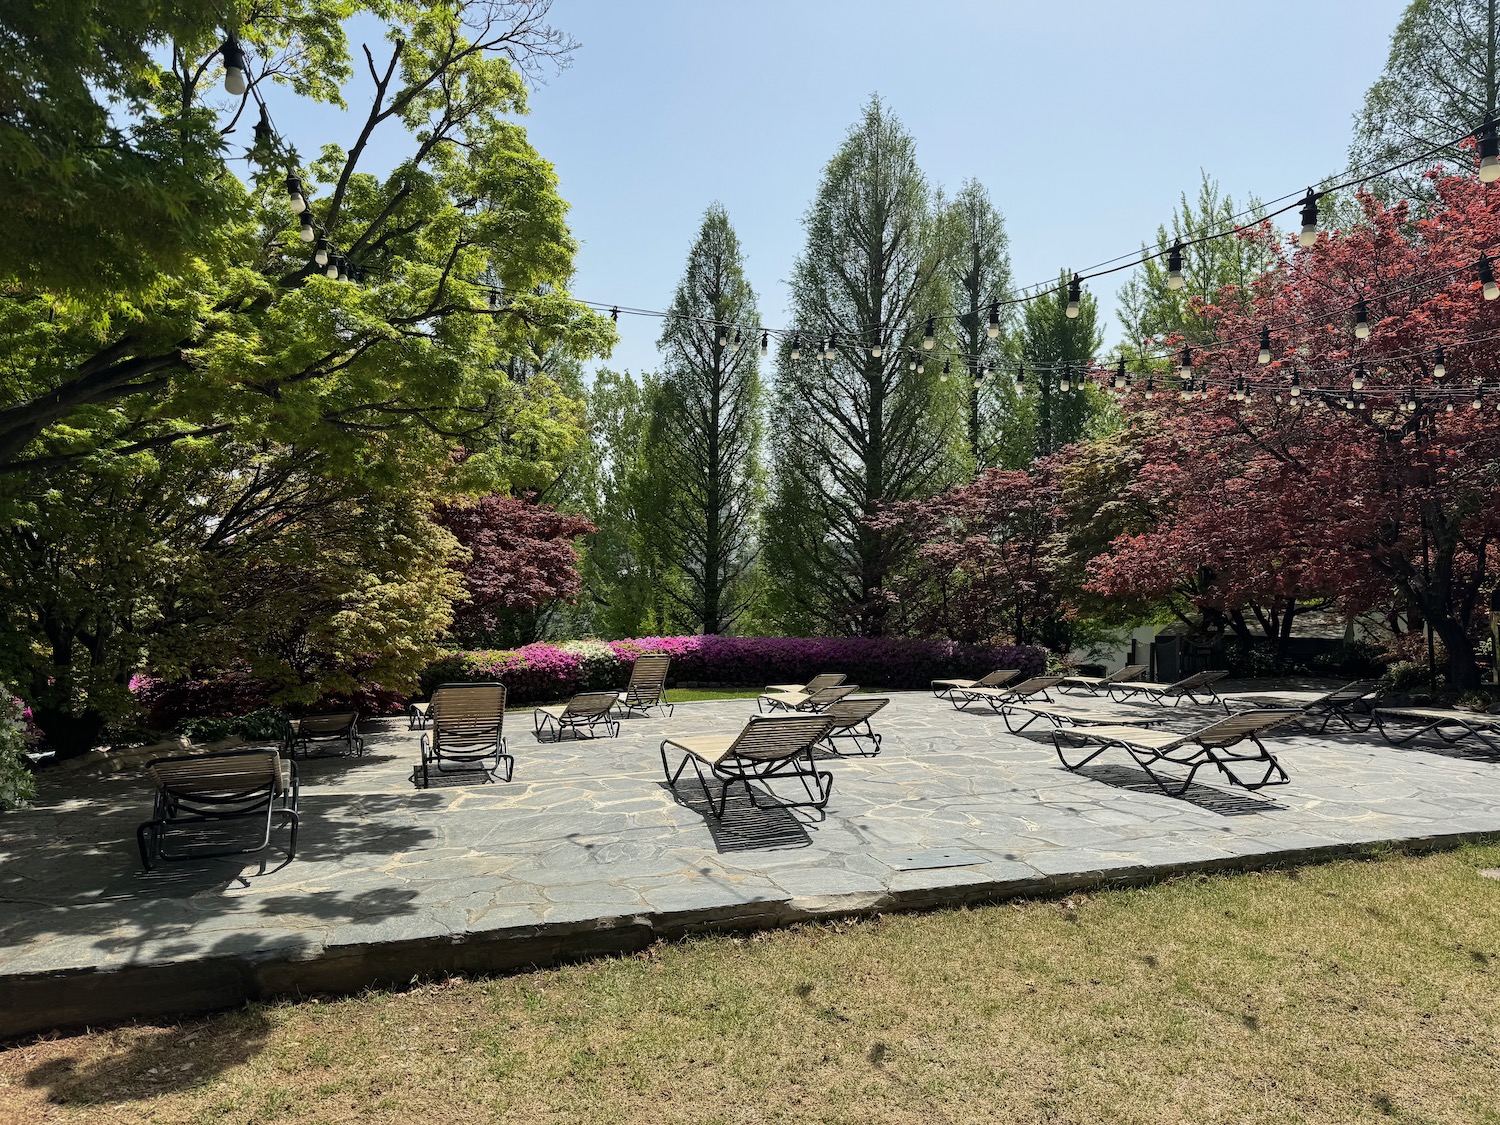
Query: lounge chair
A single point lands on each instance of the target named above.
(1352, 705)
(416, 715)
(1190, 687)
(851, 722)
(1449, 725)
(1092, 684)
(805, 701)
(1037, 686)
(944, 689)
(1208, 746)
(1060, 716)
(585, 711)
(769, 747)
(817, 683)
(338, 726)
(648, 684)
(467, 722)
(201, 789)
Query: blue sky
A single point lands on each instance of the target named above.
(1085, 120)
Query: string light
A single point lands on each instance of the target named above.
(263, 131)
(1020, 378)
(1358, 382)
(993, 330)
(332, 272)
(234, 67)
(765, 342)
(1439, 368)
(1075, 295)
(1478, 403)
(1120, 375)
(1265, 347)
(614, 314)
(875, 349)
(307, 233)
(929, 341)
(294, 197)
(320, 256)
(944, 376)
(736, 345)
(1489, 151)
(1309, 233)
(830, 353)
(796, 348)
(1185, 362)
(1174, 267)
(1361, 319)
(723, 335)
(1296, 388)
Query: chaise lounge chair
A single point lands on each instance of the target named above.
(1059, 716)
(817, 683)
(804, 701)
(1190, 687)
(769, 747)
(851, 721)
(338, 726)
(648, 684)
(1208, 746)
(1092, 684)
(1449, 725)
(467, 722)
(585, 711)
(203, 789)
(1353, 705)
(944, 689)
(997, 698)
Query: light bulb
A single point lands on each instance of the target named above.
(723, 336)
(1489, 151)
(294, 197)
(1063, 384)
(1309, 234)
(1439, 368)
(234, 67)
(1174, 267)
(1361, 319)
(1487, 278)
(307, 233)
(1358, 382)
(929, 341)
(343, 268)
(1296, 385)
(993, 330)
(796, 348)
(333, 269)
(1020, 379)
(1478, 399)
(875, 351)
(1185, 362)
(765, 342)
(1075, 294)
(321, 256)
(1265, 346)
(736, 344)
(1120, 375)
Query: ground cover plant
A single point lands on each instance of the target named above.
(1355, 991)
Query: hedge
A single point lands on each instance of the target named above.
(539, 672)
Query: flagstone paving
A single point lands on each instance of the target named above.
(587, 851)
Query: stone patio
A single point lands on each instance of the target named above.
(588, 852)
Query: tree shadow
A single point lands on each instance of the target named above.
(1205, 797)
(151, 1061)
(744, 826)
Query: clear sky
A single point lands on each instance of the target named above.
(1084, 118)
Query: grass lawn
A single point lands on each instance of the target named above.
(1356, 991)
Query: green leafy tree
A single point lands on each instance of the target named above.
(708, 447)
(976, 267)
(1440, 79)
(875, 423)
(1056, 349)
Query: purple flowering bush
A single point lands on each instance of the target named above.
(17, 735)
(545, 671)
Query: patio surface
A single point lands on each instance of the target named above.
(586, 851)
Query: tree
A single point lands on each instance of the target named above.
(977, 271)
(708, 450)
(1058, 348)
(1440, 79)
(521, 562)
(1218, 270)
(874, 424)
(1285, 498)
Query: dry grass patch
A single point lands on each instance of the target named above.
(1348, 992)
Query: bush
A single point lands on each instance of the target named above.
(17, 735)
(263, 725)
(539, 672)
(167, 704)
(1406, 674)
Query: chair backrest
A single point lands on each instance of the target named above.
(998, 677)
(1035, 686)
(847, 713)
(824, 696)
(335, 722)
(769, 738)
(1127, 673)
(1234, 728)
(827, 679)
(1196, 680)
(1352, 693)
(648, 677)
(589, 704)
(467, 713)
(226, 776)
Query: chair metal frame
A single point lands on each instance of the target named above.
(802, 701)
(300, 735)
(1092, 684)
(997, 698)
(944, 689)
(566, 719)
(648, 686)
(1063, 716)
(1349, 705)
(219, 796)
(1189, 687)
(851, 721)
(1482, 725)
